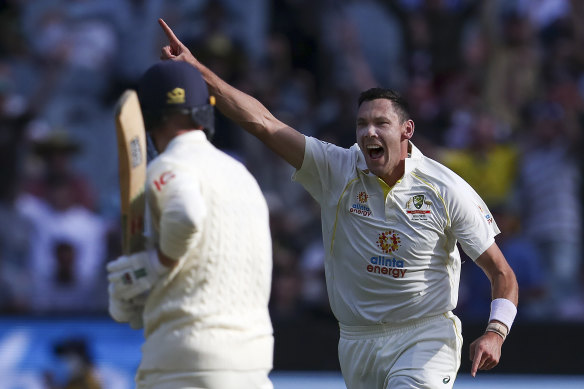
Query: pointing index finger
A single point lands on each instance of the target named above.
(476, 363)
(168, 31)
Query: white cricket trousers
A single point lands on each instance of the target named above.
(421, 354)
(215, 379)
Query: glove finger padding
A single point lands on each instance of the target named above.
(126, 287)
(121, 311)
(135, 274)
(119, 264)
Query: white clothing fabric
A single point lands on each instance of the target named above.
(224, 379)
(391, 254)
(423, 354)
(211, 311)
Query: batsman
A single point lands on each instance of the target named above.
(391, 221)
(201, 286)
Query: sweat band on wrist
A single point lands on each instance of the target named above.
(503, 311)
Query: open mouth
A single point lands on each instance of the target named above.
(375, 151)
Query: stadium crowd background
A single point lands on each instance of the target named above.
(496, 89)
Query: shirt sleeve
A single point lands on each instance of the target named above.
(324, 168)
(177, 196)
(471, 221)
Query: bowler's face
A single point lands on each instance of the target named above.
(380, 134)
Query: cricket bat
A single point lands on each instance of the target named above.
(131, 137)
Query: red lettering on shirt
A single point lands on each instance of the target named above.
(163, 180)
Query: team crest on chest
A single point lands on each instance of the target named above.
(360, 206)
(418, 207)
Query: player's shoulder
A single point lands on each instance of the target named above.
(334, 154)
(440, 176)
(159, 164)
(318, 145)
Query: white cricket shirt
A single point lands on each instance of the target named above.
(211, 311)
(391, 253)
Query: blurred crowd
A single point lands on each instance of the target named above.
(495, 87)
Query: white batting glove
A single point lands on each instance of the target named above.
(126, 311)
(135, 274)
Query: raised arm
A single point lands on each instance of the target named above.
(485, 352)
(240, 107)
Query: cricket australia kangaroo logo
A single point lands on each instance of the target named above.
(359, 207)
(420, 209)
(418, 201)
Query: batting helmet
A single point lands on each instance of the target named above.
(175, 87)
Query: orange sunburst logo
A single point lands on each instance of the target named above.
(362, 196)
(388, 241)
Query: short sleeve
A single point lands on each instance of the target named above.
(181, 206)
(472, 224)
(324, 168)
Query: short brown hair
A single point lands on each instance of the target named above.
(399, 103)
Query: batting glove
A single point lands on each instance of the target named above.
(132, 275)
(125, 311)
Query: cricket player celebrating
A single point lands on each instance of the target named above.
(391, 219)
(207, 273)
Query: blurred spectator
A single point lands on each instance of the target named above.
(285, 301)
(76, 370)
(135, 21)
(68, 254)
(300, 21)
(550, 196)
(526, 260)
(55, 150)
(488, 165)
(353, 34)
(15, 229)
(433, 32)
(314, 292)
(15, 242)
(69, 241)
(527, 263)
(511, 63)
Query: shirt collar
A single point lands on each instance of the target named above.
(190, 136)
(415, 156)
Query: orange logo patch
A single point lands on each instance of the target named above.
(362, 197)
(388, 241)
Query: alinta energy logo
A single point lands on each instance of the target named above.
(359, 207)
(389, 242)
(362, 196)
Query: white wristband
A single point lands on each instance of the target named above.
(504, 311)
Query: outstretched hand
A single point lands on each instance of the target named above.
(175, 50)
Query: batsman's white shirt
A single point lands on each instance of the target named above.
(391, 253)
(211, 311)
